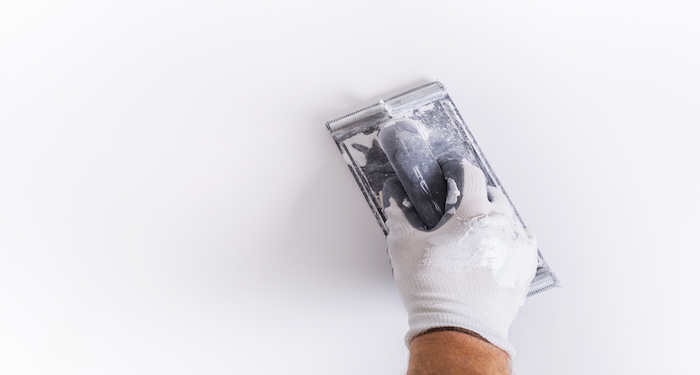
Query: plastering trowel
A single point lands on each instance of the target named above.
(374, 143)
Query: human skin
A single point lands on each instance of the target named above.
(448, 352)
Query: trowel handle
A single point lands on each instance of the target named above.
(414, 164)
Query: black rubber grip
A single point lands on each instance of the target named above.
(416, 167)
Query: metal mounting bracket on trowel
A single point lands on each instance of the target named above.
(446, 134)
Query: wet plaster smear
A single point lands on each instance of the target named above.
(496, 242)
(452, 191)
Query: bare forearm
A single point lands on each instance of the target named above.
(451, 352)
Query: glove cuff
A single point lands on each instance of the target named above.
(477, 305)
(437, 322)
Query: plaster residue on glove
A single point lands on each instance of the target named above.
(452, 191)
(495, 242)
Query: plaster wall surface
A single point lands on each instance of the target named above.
(171, 202)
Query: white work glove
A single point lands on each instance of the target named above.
(472, 270)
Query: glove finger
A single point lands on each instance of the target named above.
(500, 202)
(397, 207)
(531, 235)
(467, 192)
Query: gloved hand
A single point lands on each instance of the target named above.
(472, 270)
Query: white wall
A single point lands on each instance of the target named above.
(171, 202)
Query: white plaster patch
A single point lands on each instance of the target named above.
(426, 108)
(494, 242)
(452, 191)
